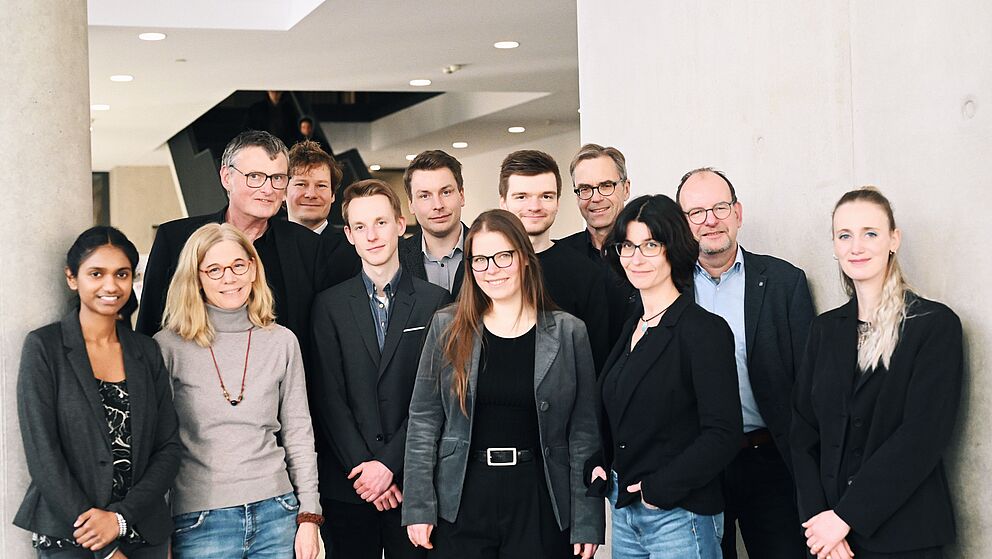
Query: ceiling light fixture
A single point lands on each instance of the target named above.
(151, 36)
(459, 145)
(122, 78)
(516, 129)
(420, 83)
(411, 156)
(100, 107)
(506, 44)
(375, 167)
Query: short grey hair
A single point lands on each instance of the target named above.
(272, 145)
(592, 151)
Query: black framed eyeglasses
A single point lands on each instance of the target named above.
(605, 188)
(255, 179)
(648, 248)
(239, 267)
(721, 210)
(501, 259)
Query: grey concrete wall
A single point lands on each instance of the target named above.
(140, 199)
(47, 200)
(799, 102)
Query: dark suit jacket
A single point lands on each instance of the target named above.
(898, 500)
(438, 440)
(361, 398)
(680, 419)
(412, 259)
(309, 264)
(66, 440)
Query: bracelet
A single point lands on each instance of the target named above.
(121, 525)
(313, 517)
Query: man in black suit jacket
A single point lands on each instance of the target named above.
(368, 333)
(767, 303)
(297, 263)
(435, 190)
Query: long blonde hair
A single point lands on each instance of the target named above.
(885, 324)
(185, 306)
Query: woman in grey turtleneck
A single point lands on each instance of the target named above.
(247, 481)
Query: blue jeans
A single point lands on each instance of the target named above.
(261, 530)
(640, 532)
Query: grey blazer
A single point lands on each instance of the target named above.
(66, 441)
(438, 433)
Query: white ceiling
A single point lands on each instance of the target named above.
(362, 45)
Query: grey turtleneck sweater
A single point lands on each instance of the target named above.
(259, 449)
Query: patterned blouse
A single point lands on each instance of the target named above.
(117, 411)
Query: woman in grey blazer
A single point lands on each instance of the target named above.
(502, 417)
(96, 416)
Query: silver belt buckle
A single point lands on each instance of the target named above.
(511, 450)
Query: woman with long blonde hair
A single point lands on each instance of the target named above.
(875, 402)
(502, 418)
(247, 482)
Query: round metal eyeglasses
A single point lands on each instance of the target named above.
(721, 210)
(239, 267)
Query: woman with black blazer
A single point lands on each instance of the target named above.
(96, 416)
(502, 417)
(875, 402)
(671, 414)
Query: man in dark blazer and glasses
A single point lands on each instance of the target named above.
(767, 303)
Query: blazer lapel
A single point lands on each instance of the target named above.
(363, 317)
(72, 340)
(754, 294)
(546, 347)
(473, 376)
(399, 315)
(137, 389)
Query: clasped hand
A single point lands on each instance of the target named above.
(826, 536)
(373, 479)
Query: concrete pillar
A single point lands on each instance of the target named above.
(45, 162)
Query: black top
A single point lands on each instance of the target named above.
(578, 287)
(269, 252)
(505, 412)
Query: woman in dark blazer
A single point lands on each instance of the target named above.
(502, 416)
(95, 410)
(671, 415)
(875, 402)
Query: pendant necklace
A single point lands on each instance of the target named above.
(645, 321)
(244, 374)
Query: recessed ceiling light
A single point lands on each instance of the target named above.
(411, 156)
(100, 107)
(516, 129)
(375, 167)
(122, 78)
(506, 44)
(459, 145)
(151, 36)
(420, 83)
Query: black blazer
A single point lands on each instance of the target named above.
(898, 500)
(361, 398)
(66, 440)
(412, 259)
(681, 419)
(309, 264)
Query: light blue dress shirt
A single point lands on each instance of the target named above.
(725, 296)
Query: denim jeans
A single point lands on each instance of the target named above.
(640, 532)
(260, 530)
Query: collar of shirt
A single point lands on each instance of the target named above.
(735, 268)
(320, 228)
(457, 248)
(389, 289)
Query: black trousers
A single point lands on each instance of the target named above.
(929, 553)
(760, 497)
(133, 551)
(505, 513)
(359, 531)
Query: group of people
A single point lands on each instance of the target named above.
(479, 390)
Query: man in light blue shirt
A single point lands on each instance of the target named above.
(766, 301)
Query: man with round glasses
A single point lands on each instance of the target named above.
(254, 174)
(767, 303)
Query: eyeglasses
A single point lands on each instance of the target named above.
(502, 259)
(239, 268)
(255, 179)
(648, 248)
(721, 210)
(605, 188)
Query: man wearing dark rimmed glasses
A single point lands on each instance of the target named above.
(767, 303)
(254, 174)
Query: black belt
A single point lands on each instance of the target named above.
(757, 438)
(502, 456)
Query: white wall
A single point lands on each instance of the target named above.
(799, 102)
